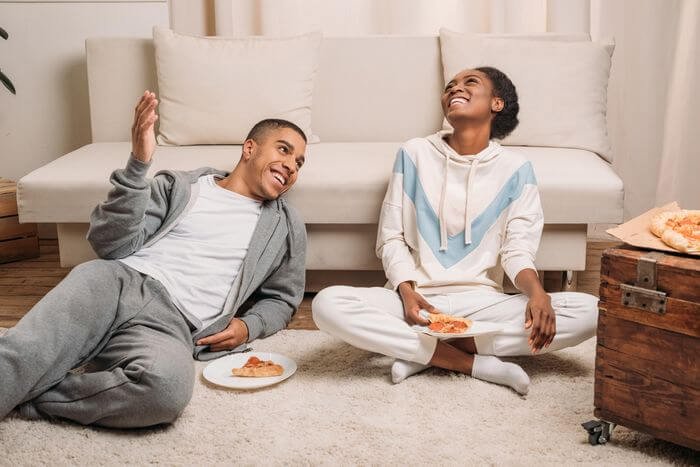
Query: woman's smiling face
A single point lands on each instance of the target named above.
(469, 95)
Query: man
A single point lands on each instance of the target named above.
(180, 253)
(460, 211)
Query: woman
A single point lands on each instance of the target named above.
(461, 210)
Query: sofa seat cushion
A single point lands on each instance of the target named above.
(341, 183)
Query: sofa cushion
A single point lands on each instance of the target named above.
(344, 92)
(562, 86)
(335, 185)
(212, 90)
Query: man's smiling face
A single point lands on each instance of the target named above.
(273, 162)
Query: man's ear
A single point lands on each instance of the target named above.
(497, 104)
(248, 149)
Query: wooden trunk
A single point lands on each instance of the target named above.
(17, 241)
(647, 374)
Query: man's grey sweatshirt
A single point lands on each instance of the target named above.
(139, 211)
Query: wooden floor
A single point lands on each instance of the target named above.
(23, 283)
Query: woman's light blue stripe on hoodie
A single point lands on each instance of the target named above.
(427, 219)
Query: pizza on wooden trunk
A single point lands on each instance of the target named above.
(255, 367)
(678, 229)
(447, 324)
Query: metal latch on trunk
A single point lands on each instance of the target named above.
(643, 295)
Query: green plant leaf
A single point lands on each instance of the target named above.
(8, 84)
(4, 34)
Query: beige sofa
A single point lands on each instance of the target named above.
(371, 94)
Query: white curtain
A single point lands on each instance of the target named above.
(679, 173)
(652, 99)
(361, 17)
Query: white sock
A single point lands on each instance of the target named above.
(490, 368)
(402, 369)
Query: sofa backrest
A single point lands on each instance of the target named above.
(119, 70)
(372, 88)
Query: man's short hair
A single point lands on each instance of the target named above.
(506, 120)
(263, 126)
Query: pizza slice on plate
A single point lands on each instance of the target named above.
(448, 324)
(255, 367)
(678, 229)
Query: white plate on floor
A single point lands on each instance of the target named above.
(219, 371)
(478, 328)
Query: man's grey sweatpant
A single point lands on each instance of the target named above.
(138, 344)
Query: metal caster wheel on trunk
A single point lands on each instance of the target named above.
(599, 431)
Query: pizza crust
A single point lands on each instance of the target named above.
(658, 222)
(678, 229)
(257, 368)
(679, 242)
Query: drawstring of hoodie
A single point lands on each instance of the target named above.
(441, 211)
(467, 223)
(443, 148)
(443, 199)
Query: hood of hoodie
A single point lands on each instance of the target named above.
(452, 157)
(438, 141)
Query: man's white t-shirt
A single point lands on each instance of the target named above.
(199, 258)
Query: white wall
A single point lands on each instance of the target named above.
(45, 58)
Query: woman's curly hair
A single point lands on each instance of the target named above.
(506, 120)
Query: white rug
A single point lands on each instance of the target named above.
(341, 408)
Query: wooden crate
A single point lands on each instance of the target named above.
(647, 374)
(17, 241)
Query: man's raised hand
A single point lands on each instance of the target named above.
(142, 131)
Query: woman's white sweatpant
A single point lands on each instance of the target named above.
(373, 319)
